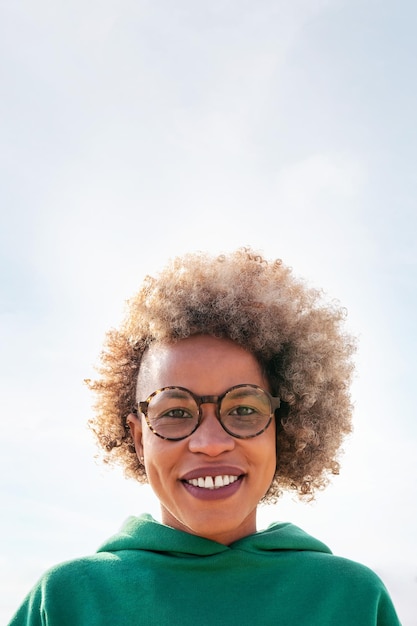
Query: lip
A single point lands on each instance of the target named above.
(213, 470)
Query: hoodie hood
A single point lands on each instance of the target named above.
(145, 533)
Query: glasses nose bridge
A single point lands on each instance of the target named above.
(216, 400)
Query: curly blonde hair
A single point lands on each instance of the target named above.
(297, 338)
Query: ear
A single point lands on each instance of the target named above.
(135, 425)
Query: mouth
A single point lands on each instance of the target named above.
(213, 482)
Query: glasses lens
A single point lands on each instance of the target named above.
(245, 411)
(172, 413)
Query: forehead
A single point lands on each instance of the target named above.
(204, 364)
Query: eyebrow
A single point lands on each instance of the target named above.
(243, 393)
(177, 393)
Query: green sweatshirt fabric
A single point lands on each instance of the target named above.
(152, 574)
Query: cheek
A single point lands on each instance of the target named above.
(261, 453)
(158, 454)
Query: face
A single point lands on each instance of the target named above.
(181, 472)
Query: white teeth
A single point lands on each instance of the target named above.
(207, 482)
(218, 481)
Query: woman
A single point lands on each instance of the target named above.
(226, 384)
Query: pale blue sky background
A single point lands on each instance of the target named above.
(133, 131)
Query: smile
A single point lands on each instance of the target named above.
(212, 482)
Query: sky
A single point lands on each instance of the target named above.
(132, 132)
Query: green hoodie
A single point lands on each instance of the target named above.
(152, 574)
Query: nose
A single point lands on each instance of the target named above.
(210, 438)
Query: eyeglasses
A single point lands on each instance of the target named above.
(174, 413)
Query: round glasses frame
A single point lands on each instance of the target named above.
(217, 400)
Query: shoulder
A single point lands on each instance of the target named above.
(339, 570)
(352, 572)
(65, 589)
(341, 582)
(77, 566)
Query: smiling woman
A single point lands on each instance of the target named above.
(227, 383)
(296, 339)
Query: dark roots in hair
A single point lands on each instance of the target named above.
(297, 338)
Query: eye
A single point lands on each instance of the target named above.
(242, 411)
(176, 413)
